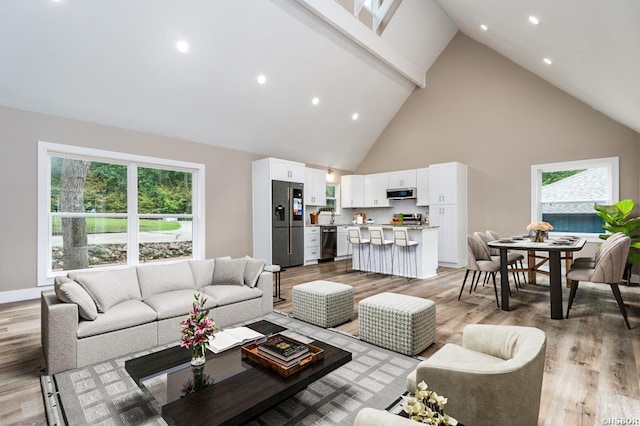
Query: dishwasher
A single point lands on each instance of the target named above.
(329, 242)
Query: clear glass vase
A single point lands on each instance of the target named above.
(198, 355)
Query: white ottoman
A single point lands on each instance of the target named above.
(323, 303)
(401, 323)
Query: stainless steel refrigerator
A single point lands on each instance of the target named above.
(287, 233)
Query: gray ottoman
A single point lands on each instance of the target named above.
(401, 323)
(323, 303)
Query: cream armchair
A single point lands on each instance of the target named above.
(494, 378)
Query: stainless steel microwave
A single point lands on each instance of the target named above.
(401, 193)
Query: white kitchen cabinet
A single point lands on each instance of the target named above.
(315, 187)
(422, 187)
(448, 210)
(311, 244)
(288, 171)
(342, 244)
(444, 182)
(375, 190)
(402, 179)
(446, 218)
(352, 190)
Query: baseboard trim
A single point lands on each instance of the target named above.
(20, 295)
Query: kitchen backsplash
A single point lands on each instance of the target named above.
(383, 215)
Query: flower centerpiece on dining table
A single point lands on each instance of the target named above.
(538, 231)
(426, 406)
(196, 331)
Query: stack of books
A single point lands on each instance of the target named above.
(283, 350)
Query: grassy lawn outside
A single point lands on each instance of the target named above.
(103, 225)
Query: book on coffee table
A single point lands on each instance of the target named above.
(283, 348)
(286, 364)
(232, 337)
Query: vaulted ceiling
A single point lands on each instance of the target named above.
(115, 62)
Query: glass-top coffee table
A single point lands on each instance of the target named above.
(227, 389)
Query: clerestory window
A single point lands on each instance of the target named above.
(101, 209)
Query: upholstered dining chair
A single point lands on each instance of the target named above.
(516, 258)
(486, 379)
(607, 269)
(479, 260)
(495, 254)
(590, 262)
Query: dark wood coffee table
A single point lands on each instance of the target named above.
(241, 389)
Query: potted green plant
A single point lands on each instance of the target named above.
(616, 219)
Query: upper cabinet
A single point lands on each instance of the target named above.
(402, 179)
(352, 190)
(444, 181)
(375, 190)
(289, 171)
(422, 187)
(315, 187)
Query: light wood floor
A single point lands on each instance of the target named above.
(592, 363)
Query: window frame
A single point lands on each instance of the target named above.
(613, 186)
(46, 150)
(336, 187)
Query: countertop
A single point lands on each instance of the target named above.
(384, 226)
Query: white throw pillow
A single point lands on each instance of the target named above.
(252, 271)
(229, 271)
(69, 291)
(103, 288)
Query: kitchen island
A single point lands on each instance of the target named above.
(426, 253)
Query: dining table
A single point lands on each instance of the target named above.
(554, 247)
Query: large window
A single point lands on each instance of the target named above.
(100, 209)
(564, 194)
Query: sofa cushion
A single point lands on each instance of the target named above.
(176, 303)
(202, 271)
(228, 294)
(69, 291)
(104, 288)
(155, 279)
(123, 315)
(229, 271)
(252, 271)
(127, 279)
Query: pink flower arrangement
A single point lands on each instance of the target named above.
(197, 328)
(540, 226)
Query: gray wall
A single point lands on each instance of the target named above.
(483, 110)
(228, 185)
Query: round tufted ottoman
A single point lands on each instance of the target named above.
(323, 303)
(401, 323)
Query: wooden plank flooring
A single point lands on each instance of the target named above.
(592, 362)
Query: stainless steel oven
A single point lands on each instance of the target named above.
(329, 241)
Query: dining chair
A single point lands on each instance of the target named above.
(479, 260)
(590, 262)
(517, 258)
(495, 255)
(608, 269)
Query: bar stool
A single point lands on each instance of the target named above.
(354, 236)
(376, 236)
(401, 241)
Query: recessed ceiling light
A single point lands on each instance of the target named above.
(355, 116)
(262, 79)
(484, 27)
(547, 61)
(182, 46)
(534, 20)
(315, 100)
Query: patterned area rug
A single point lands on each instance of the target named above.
(104, 394)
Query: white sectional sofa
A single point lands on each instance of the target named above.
(94, 316)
